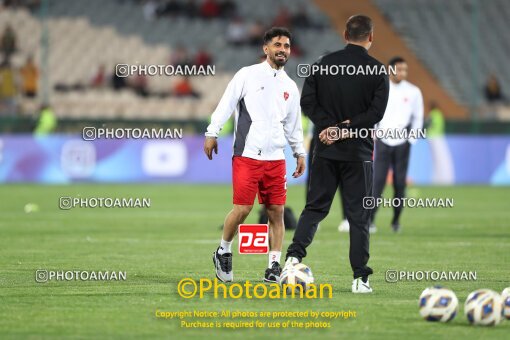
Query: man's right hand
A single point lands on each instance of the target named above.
(210, 144)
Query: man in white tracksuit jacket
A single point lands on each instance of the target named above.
(267, 116)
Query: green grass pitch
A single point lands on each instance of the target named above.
(175, 237)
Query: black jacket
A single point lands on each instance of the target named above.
(331, 99)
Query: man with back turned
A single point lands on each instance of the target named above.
(340, 105)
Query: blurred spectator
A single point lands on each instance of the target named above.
(190, 9)
(8, 42)
(296, 49)
(210, 9)
(203, 58)
(31, 5)
(283, 18)
(47, 122)
(435, 123)
(492, 90)
(228, 9)
(171, 8)
(236, 32)
(29, 78)
(442, 162)
(140, 85)
(180, 57)
(99, 79)
(301, 19)
(118, 83)
(255, 33)
(184, 88)
(7, 89)
(150, 8)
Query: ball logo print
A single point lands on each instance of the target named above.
(253, 239)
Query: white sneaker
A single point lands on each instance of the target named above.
(223, 266)
(290, 262)
(358, 286)
(344, 226)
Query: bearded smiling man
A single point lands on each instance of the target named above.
(267, 115)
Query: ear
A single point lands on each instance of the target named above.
(265, 49)
(371, 37)
(346, 38)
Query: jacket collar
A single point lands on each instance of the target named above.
(271, 70)
(357, 48)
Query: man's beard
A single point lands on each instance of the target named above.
(277, 62)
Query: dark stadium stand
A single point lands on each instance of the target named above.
(87, 39)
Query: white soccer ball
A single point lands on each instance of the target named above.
(438, 304)
(484, 307)
(297, 274)
(505, 295)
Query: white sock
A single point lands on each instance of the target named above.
(225, 247)
(274, 256)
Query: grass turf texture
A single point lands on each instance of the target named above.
(175, 237)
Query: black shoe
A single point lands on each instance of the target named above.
(223, 266)
(273, 273)
(396, 227)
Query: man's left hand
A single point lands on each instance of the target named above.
(300, 167)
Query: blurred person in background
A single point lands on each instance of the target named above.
(190, 9)
(47, 122)
(210, 9)
(301, 18)
(171, 8)
(8, 42)
(255, 31)
(492, 90)
(203, 58)
(140, 85)
(237, 32)
(118, 83)
(184, 88)
(150, 8)
(283, 18)
(442, 163)
(228, 9)
(403, 112)
(8, 89)
(29, 78)
(99, 78)
(180, 56)
(435, 123)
